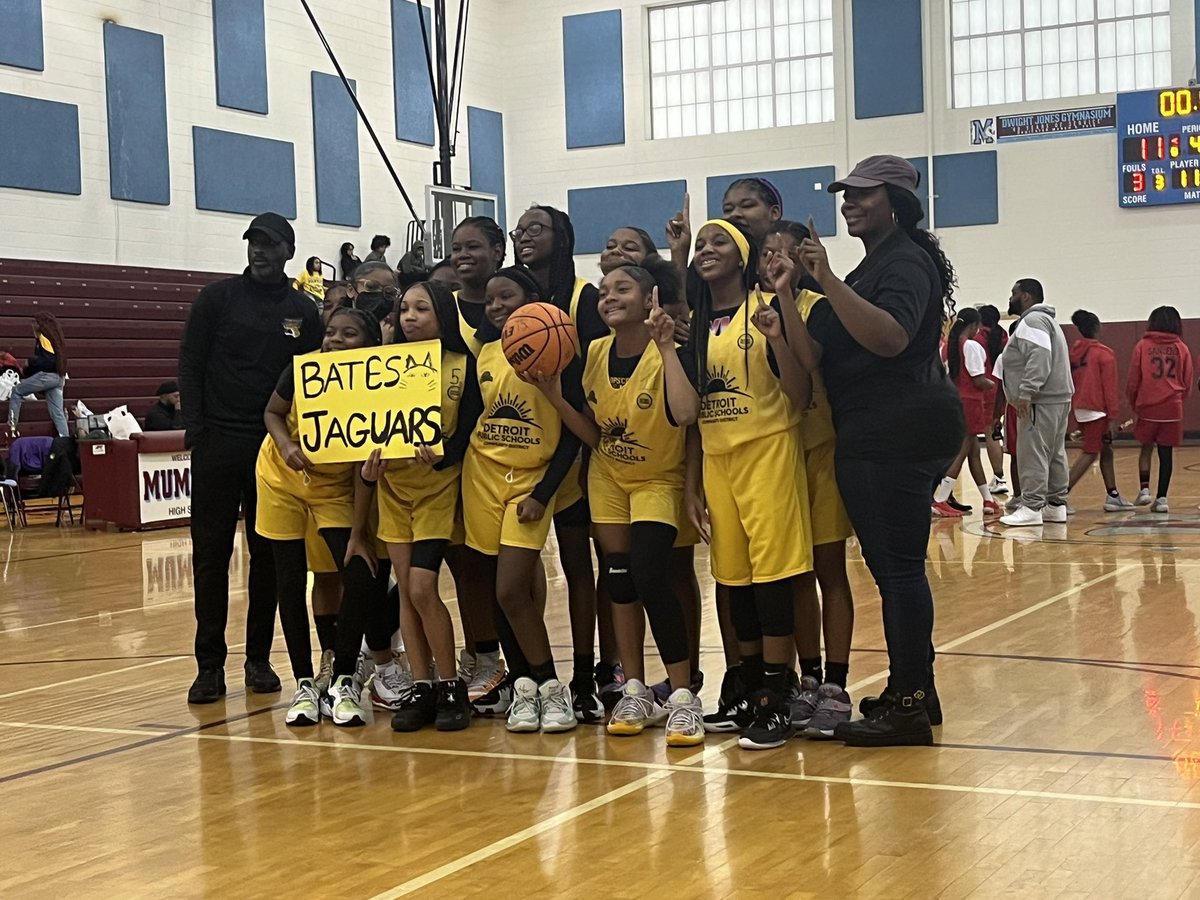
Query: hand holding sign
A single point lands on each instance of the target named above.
(813, 255)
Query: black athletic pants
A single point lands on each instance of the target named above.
(888, 503)
(223, 483)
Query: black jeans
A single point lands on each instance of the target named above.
(223, 482)
(888, 503)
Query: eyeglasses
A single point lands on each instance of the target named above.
(533, 231)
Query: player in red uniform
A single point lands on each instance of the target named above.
(1160, 378)
(1096, 405)
(993, 339)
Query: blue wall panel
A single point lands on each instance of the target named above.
(39, 145)
(410, 74)
(593, 79)
(335, 152)
(598, 212)
(888, 78)
(136, 87)
(21, 34)
(965, 185)
(240, 44)
(240, 173)
(485, 133)
(804, 194)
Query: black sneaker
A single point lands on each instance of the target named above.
(933, 705)
(420, 710)
(772, 724)
(953, 503)
(453, 710)
(900, 721)
(588, 708)
(730, 718)
(731, 687)
(497, 701)
(209, 686)
(261, 678)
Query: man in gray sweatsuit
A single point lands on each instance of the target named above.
(1036, 370)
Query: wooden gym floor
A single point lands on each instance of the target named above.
(1069, 764)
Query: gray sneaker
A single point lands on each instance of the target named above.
(1160, 505)
(1117, 504)
(833, 707)
(804, 703)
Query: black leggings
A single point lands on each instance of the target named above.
(762, 609)
(1166, 467)
(645, 574)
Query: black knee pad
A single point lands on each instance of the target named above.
(428, 554)
(618, 579)
(744, 614)
(775, 608)
(577, 515)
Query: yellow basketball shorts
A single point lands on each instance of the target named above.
(286, 500)
(758, 507)
(828, 515)
(491, 493)
(417, 503)
(320, 560)
(613, 503)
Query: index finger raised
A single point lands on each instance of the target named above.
(812, 231)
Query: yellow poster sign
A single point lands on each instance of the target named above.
(350, 402)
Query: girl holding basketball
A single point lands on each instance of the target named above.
(752, 490)
(966, 361)
(417, 501)
(639, 404)
(518, 457)
(544, 243)
(290, 490)
(821, 701)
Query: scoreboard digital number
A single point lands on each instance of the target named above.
(1158, 147)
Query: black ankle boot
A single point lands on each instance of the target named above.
(933, 705)
(900, 720)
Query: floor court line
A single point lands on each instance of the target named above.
(85, 729)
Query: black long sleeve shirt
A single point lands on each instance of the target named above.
(239, 337)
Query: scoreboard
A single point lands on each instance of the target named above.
(1158, 147)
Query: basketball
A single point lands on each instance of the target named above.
(539, 339)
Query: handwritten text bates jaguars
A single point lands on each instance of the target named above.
(350, 402)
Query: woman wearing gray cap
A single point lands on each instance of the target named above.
(877, 338)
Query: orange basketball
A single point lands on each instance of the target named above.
(539, 339)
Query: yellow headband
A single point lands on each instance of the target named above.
(743, 245)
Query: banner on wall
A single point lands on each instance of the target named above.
(1050, 124)
(165, 486)
(354, 401)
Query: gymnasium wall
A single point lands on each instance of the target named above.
(147, 133)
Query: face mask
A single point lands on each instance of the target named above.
(375, 303)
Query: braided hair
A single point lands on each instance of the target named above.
(445, 309)
(954, 354)
(49, 327)
(562, 258)
(909, 212)
(366, 321)
(702, 310)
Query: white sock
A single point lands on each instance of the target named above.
(944, 490)
(987, 494)
(398, 642)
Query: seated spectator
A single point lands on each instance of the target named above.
(350, 261)
(379, 246)
(166, 414)
(27, 456)
(413, 262)
(311, 281)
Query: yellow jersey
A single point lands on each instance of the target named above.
(816, 422)
(519, 427)
(637, 441)
(467, 330)
(742, 398)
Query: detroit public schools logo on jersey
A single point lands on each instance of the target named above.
(722, 401)
(617, 442)
(644, 400)
(745, 341)
(291, 327)
(510, 423)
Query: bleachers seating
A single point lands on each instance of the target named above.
(122, 325)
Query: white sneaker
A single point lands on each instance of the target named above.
(392, 684)
(1055, 514)
(306, 704)
(466, 665)
(525, 714)
(325, 672)
(1143, 498)
(1070, 510)
(1117, 504)
(487, 673)
(344, 703)
(998, 486)
(558, 711)
(685, 719)
(1021, 517)
(1012, 505)
(636, 710)
(1159, 505)
(364, 668)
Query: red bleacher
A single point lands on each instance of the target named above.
(122, 325)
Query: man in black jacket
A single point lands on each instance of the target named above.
(240, 335)
(165, 415)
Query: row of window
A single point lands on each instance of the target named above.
(732, 65)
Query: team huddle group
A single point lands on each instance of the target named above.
(702, 407)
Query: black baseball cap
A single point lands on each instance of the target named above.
(167, 387)
(274, 226)
(883, 169)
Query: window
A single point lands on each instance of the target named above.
(1006, 51)
(734, 65)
